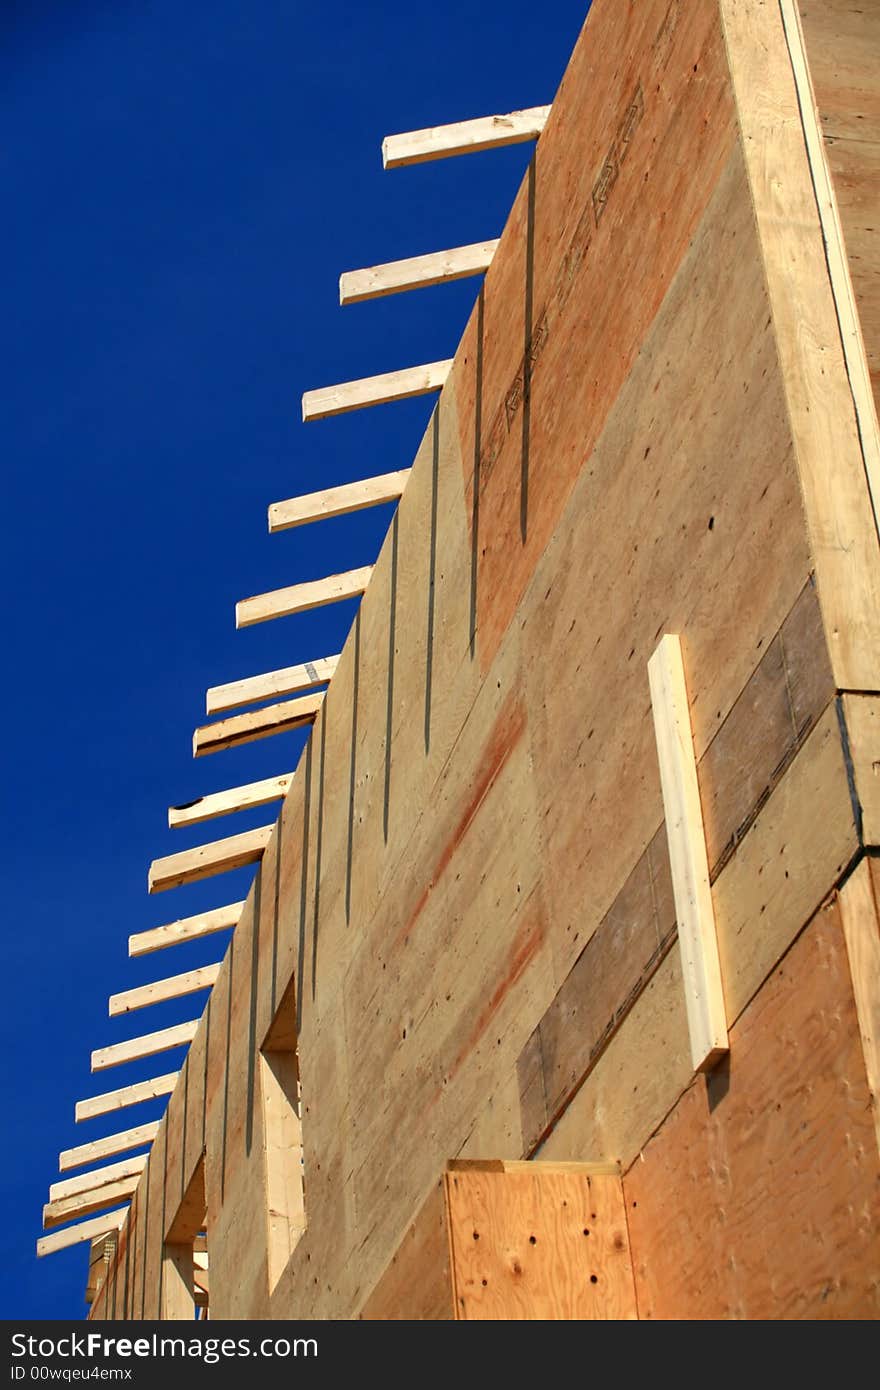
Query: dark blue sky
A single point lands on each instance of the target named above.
(182, 184)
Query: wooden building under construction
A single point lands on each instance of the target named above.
(557, 990)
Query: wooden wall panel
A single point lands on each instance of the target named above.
(611, 458)
(773, 1161)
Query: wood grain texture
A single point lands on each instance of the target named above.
(417, 1283)
(463, 137)
(203, 861)
(184, 929)
(226, 803)
(374, 390)
(135, 1138)
(689, 864)
(337, 501)
(837, 501)
(416, 272)
(861, 714)
(271, 685)
(238, 729)
(774, 1164)
(538, 1243)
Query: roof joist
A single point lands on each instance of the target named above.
(126, 1095)
(97, 1177)
(85, 1230)
(464, 137)
(255, 724)
(374, 390)
(192, 865)
(299, 598)
(273, 685)
(112, 1144)
(160, 991)
(84, 1203)
(185, 929)
(226, 803)
(416, 272)
(149, 1045)
(337, 501)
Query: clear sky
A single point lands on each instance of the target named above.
(182, 184)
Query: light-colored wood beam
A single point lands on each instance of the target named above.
(299, 598)
(160, 991)
(273, 685)
(84, 1203)
(97, 1177)
(185, 929)
(256, 724)
(374, 390)
(463, 137)
(126, 1095)
(337, 501)
(105, 1148)
(861, 930)
(191, 865)
(685, 833)
(85, 1230)
(226, 803)
(416, 272)
(146, 1046)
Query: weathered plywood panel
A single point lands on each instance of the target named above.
(773, 1162)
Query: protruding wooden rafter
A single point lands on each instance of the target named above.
(126, 1095)
(192, 865)
(226, 803)
(97, 1177)
(299, 598)
(273, 685)
(84, 1203)
(374, 390)
(416, 272)
(174, 987)
(185, 929)
(256, 724)
(464, 137)
(111, 1144)
(149, 1045)
(337, 501)
(685, 834)
(83, 1231)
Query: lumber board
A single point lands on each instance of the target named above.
(416, 272)
(218, 857)
(148, 1045)
(822, 412)
(126, 1095)
(271, 685)
(770, 1164)
(226, 803)
(337, 501)
(237, 729)
(185, 929)
(300, 598)
(97, 1177)
(842, 287)
(55, 1213)
(530, 1243)
(174, 987)
(400, 385)
(85, 1230)
(464, 137)
(861, 929)
(689, 862)
(112, 1144)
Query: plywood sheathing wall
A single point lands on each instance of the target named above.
(622, 449)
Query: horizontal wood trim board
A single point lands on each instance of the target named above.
(300, 598)
(375, 390)
(273, 685)
(337, 501)
(464, 137)
(416, 272)
(185, 929)
(192, 865)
